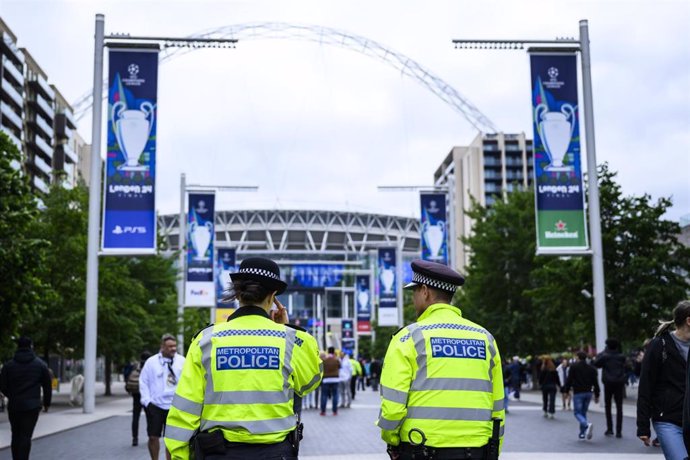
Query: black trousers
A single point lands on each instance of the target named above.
(548, 395)
(615, 391)
(136, 413)
(242, 451)
(22, 424)
(353, 386)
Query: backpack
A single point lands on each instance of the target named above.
(132, 385)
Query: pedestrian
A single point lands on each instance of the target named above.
(442, 384)
(583, 379)
(549, 383)
(375, 370)
(562, 370)
(235, 396)
(362, 377)
(515, 373)
(330, 382)
(614, 376)
(157, 383)
(662, 386)
(345, 375)
(21, 380)
(356, 373)
(132, 387)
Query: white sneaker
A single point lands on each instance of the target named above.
(551, 416)
(546, 415)
(589, 431)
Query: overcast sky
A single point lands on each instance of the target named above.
(320, 127)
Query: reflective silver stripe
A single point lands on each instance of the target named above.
(492, 350)
(394, 395)
(290, 335)
(502, 430)
(186, 405)
(386, 424)
(247, 397)
(273, 425)
(499, 405)
(313, 381)
(420, 348)
(178, 434)
(205, 345)
(449, 413)
(449, 383)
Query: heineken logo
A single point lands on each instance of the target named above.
(561, 231)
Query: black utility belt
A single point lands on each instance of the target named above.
(441, 453)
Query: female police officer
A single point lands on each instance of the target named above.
(240, 377)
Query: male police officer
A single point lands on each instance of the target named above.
(241, 377)
(441, 385)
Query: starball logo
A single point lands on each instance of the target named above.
(553, 82)
(133, 79)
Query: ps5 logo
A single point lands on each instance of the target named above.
(129, 229)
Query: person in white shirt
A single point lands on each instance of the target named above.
(345, 375)
(157, 384)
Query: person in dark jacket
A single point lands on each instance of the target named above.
(375, 372)
(614, 376)
(663, 382)
(582, 378)
(136, 395)
(550, 384)
(21, 380)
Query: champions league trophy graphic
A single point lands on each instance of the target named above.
(363, 299)
(387, 279)
(434, 235)
(201, 238)
(132, 129)
(555, 130)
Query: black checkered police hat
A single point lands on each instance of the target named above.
(263, 271)
(434, 275)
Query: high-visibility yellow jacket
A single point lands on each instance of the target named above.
(356, 367)
(441, 375)
(241, 377)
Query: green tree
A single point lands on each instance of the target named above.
(21, 255)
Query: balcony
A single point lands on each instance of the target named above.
(11, 49)
(12, 94)
(69, 116)
(42, 125)
(42, 147)
(12, 137)
(41, 85)
(8, 114)
(40, 103)
(41, 164)
(40, 184)
(70, 153)
(13, 71)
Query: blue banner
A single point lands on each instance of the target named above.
(225, 265)
(129, 213)
(200, 285)
(363, 303)
(559, 191)
(347, 337)
(434, 227)
(388, 287)
(313, 276)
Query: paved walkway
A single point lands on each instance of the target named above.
(106, 434)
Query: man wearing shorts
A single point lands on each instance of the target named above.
(157, 384)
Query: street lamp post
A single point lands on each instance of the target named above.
(581, 45)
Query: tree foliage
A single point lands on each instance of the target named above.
(534, 304)
(21, 255)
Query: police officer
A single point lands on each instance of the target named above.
(241, 377)
(442, 384)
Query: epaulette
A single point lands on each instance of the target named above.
(294, 326)
(200, 330)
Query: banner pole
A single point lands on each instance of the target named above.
(181, 265)
(600, 326)
(91, 316)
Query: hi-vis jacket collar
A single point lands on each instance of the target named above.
(437, 307)
(248, 310)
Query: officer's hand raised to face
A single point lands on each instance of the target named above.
(279, 315)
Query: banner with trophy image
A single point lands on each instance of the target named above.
(363, 301)
(129, 213)
(434, 227)
(559, 190)
(388, 287)
(224, 266)
(200, 287)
